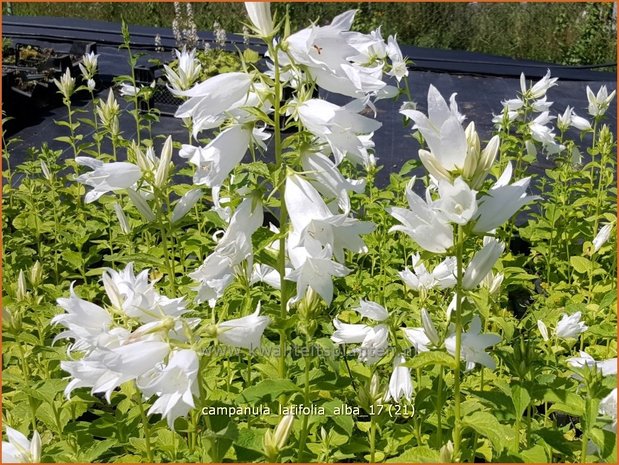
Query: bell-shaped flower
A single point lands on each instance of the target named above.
(340, 127)
(482, 263)
(474, 345)
(539, 89)
(502, 201)
(443, 132)
(570, 326)
(493, 282)
(398, 69)
(374, 346)
(600, 102)
(216, 161)
(187, 71)
(372, 310)
(209, 100)
(107, 177)
(418, 339)
(18, 449)
(349, 333)
(121, 359)
(602, 237)
(328, 180)
(456, 201)
(137, 297)
(186, 203)
(175, 385)
(89, 64)
(423, 223)
(66, 85)
(314, 226)
(244, 332)
(605, 367)
(570, 118)
(540, 132)
(400, 383)
(373, 339)
(317, 272)
(218, 269)
(420, 279)
(266, 274)
(422, 338)
(84, 321)
(608, 408)
(260, 15)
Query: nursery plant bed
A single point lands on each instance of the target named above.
(30, 71)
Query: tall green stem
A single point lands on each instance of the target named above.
(457, 433)
(149, 452)
(306, 403)
(283, 214)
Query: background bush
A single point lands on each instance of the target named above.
(565, 33)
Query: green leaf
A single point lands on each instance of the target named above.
(421, 454)
(520, 398)
(536, 454)
(345, 422)
(489, 427)
(268, 389)
(431, 358)
(606, 442)
(580, 264)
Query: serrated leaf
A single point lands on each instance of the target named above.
(520, 398)
(421, 454)
(269, 389)
(487, 426)
(432, 358)
(580, 264)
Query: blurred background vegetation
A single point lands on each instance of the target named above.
(564, 33)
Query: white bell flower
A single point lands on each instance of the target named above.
(175, 385)
(260, 15)
(570, 326)
(474, 345)
(244, 332)
(107, 177)
(19, 449)
(422, 223)
(400, 383)
(482, 263)
(600, 102)
(502, 201)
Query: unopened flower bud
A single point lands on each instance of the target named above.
(274, 441)
(36, 274)
(46, 171)
(428, 327)
(21, 286)
(141, 204)
(543, 330)
(163, 169)
(375, 391)
(122, 219)
(282, 432)
(446, 453)
(66, 85)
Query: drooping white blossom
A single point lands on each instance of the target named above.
(474, 345)
(400, 383)
(570, 326)
(107, 177)
(244, 332)
(18, 449)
